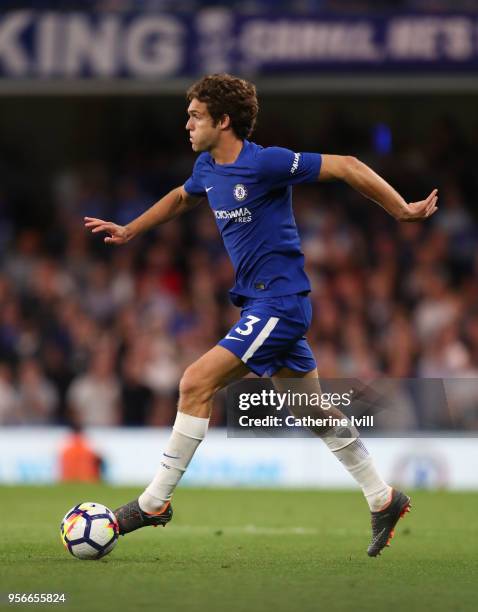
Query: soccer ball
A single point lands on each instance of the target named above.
(89, 531)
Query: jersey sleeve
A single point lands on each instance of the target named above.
(194, 185)
(281, 167)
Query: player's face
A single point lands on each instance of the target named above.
(203, 134)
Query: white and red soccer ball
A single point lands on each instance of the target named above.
(89, 531)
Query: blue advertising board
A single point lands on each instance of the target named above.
(61, 45)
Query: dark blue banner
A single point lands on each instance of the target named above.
(45, 45)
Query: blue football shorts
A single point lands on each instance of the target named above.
(270, 334)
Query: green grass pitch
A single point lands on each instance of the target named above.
(246, 550)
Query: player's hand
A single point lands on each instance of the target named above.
(417, 211)
(118, 234)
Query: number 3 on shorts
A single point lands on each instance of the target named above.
(249, 324)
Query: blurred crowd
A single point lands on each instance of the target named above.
(95, 335)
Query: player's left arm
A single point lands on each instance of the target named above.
(367, 182)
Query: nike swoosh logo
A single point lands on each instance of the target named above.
(171, 456)
(379, 535)
(209, 188)
(234, 338)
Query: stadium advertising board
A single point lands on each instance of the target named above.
(44, 45)
(31, 456)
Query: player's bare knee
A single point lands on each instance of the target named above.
(193, 387)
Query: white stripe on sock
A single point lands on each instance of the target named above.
(261, 338)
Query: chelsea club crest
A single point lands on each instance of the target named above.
(240, 192)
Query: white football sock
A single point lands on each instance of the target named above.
(188, 432)
(353, 455)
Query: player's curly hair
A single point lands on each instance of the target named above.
(228, 95)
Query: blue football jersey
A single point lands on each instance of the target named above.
(252, 202)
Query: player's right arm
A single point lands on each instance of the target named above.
(367, 182)
(173, 204)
